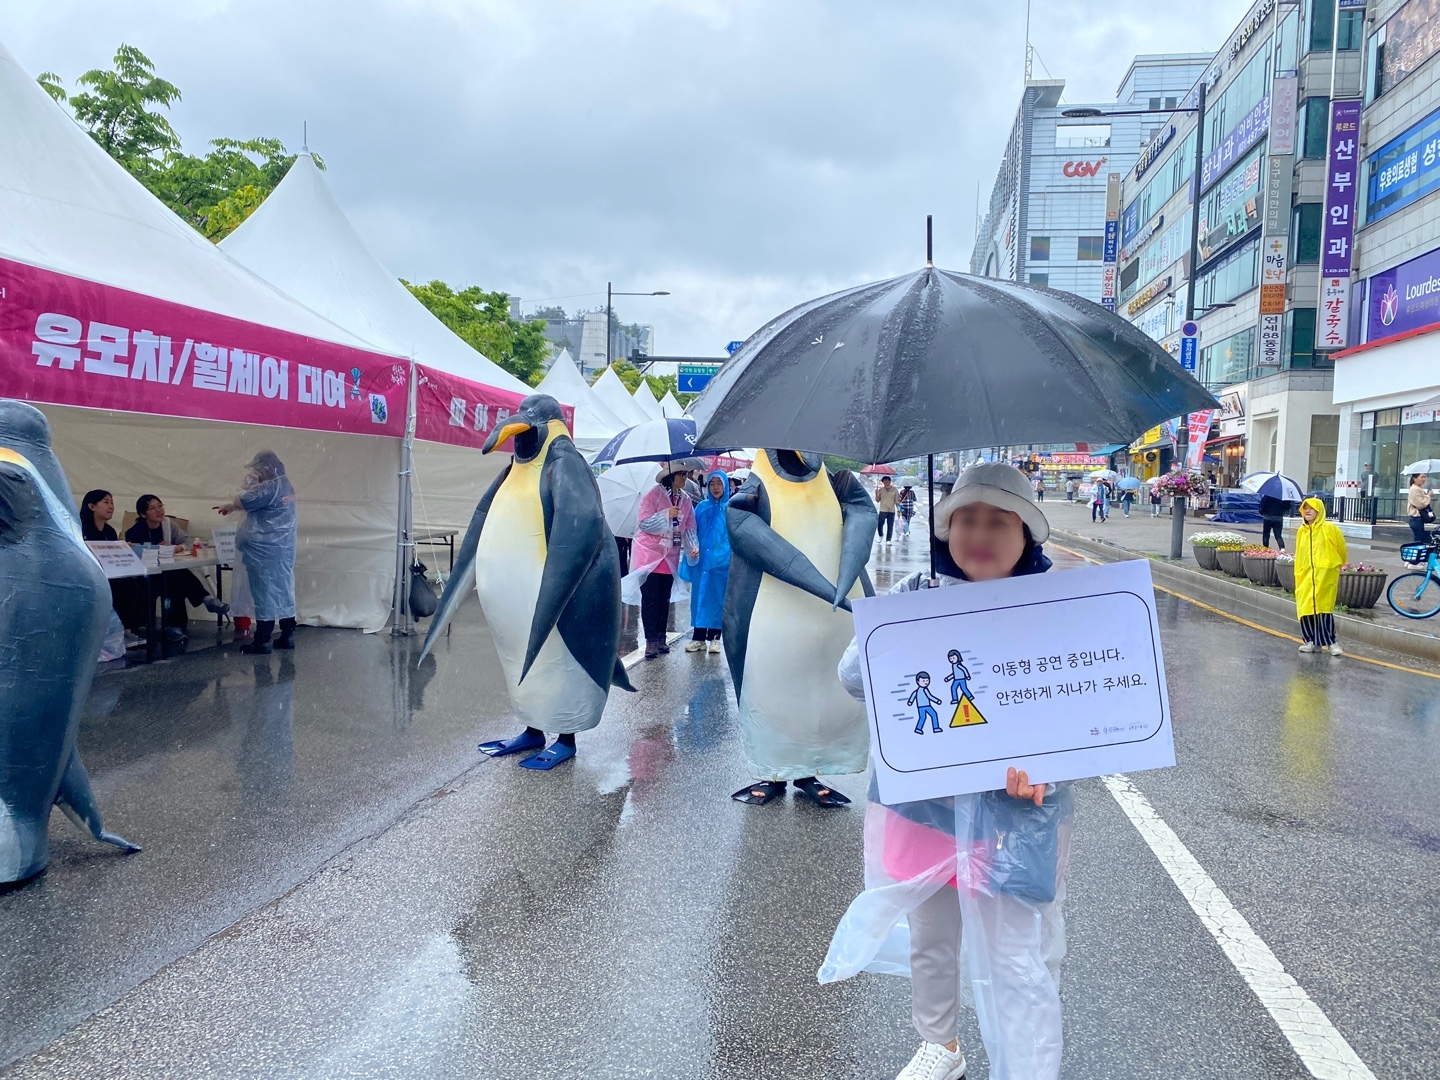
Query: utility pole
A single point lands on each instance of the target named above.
(1182, 436)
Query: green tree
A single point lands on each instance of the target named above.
(835, 463)
(120, 110)
(51, 84)
(482, 320)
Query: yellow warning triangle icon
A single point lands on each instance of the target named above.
(966, 714)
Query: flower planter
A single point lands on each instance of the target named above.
(1360, 589)
(1260, 571)
(1230, 561)
(1205, 556)
(1285, 575)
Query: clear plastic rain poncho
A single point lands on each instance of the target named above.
(1005, 862)
(266, 538)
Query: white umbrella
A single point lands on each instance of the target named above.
(1104, 474)
(621, 489)
(1429, 466)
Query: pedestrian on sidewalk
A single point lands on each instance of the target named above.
(266, 542)
(710, 572)
(1039, 489)
(1127, 500)
(888, 496)
(988, 527)
(1319, 554)
(1272, 520)
(1099, 503)
(666, 534)
(1417, 507)
(1155, 501)
(907, 510)
(1069, 490)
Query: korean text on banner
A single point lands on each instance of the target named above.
(65, 341)
(1199, 434)
(449, 409)
(1059, 674)
(1337, 237)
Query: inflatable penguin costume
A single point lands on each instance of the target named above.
(548, 574)
(799, 541)
(52, 621)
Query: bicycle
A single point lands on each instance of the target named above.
(1416, 595)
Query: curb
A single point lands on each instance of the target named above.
(1250, 602)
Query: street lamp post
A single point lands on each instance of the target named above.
(1182, 436)
(610, 294)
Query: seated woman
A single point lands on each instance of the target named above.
(179, 587)
(127, 595)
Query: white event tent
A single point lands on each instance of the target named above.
(611, 391)
(645, 398)
(70, 214)
(301, 241)
(672, 409)
(595, 424)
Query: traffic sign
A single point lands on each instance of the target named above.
(1190, 346)
(693, 378)
(734, 347)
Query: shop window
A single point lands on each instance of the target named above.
(1302, 337)
(1091, 249)
(1315, 127)
(1305, 232)
(1040, 279)
(1039, 249)
(1324, 442)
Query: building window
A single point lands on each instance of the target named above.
(1324, 442)
(1321, 22)
(1305, 233)
(1375, 66)
(1129, 277)
(1154, 103)
(1091, 249)
(1302, 337)
(1286, 43)
(1039, 249)
(1072, 136)
(1315, 125)
(1235, 274)
(1228, 360)
(1171, 102)
(1040, 279)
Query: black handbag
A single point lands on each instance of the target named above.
(1427, 514)
(423, 600)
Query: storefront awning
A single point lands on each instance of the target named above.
(1106, 451)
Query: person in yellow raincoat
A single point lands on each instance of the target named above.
(1319, 554)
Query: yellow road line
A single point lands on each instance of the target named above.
(1256, 626)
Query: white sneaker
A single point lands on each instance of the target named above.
(934, 1062)
(1335, 650)
(714, 645)
(695, 646)
(1307, 647)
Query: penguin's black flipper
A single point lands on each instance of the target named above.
(857, 511)
(78, 802)
(462, 577)
(620, 677)
(580, 587)
(757, 543)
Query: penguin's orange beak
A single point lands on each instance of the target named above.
(500, 434)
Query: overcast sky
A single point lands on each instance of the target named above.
(743, 154)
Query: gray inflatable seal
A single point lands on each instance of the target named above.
(51, 628)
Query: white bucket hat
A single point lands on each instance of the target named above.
(998, 485)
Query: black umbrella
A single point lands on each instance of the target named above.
(936, 361)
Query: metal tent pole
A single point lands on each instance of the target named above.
(404, 543)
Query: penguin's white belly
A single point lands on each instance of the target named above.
(557, 695)
(795, 718)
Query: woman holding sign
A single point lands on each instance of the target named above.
(994, 861)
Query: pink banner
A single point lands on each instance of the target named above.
(66, 341)
(452, 410)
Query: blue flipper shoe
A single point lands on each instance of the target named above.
(546, 760)
(521, 743)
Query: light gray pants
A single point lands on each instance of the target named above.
(935, 966)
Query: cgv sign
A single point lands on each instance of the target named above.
(1082, 169)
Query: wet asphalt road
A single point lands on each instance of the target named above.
(332, 885)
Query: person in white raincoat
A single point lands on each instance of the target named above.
(992, 863)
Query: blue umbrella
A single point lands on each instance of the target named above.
(1274, 485)
(655, 440)
(1130, 483)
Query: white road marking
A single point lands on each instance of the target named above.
(629, 660)
(1321, 1048)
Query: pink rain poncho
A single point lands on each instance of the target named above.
(1005, 862)
(659, 543)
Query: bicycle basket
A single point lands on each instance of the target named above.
(1415, 553)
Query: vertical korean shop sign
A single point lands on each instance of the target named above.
(1337, 238)
(1112, 240)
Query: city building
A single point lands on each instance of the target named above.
(1387, 381)
(584, 336)
(1261, 191)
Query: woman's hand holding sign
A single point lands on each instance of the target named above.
(1018, 786)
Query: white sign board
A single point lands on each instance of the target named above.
(116, 558)
(1058, 674)
(224, 537)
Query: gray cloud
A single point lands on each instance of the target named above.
(744, 155)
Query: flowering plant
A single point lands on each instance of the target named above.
(1189, 485)
(1360, 568)
(1284, 556)
(1219, 539)
(1259, 553)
